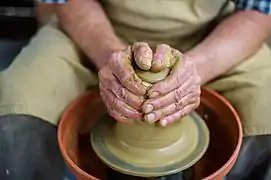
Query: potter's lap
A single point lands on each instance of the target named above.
(42, 83)
(247, 87)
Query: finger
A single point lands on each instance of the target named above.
(121, 66)
(161, 58)
(177, 115)
(112, 113)
(163, 101)
(143, 55)
(179, 74)
(175, 54)
(119, 106)
(170, 109)
(122, 93)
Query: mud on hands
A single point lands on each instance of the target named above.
(175, 96)
(168, 100)
(121, 89)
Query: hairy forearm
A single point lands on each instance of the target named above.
(87, 24)
(232, 41)
(44, 12)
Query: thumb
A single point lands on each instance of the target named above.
(143, 55)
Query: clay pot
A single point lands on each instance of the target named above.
(78, 120)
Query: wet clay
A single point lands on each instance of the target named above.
(145, 142)
(152, 77)
(150, 150)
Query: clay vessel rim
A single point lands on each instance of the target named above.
(240, 137)
(59, 135)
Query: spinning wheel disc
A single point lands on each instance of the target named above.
(144, 150)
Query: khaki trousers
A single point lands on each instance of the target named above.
(48, 74)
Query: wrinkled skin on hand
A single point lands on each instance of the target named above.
(178, 94)
(124, 93)
(121, 89)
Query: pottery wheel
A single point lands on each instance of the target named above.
(150, 150)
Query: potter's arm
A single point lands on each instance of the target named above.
(44, 12)
(87, 24)
(231, 42)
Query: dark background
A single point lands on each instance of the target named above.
(17, 25)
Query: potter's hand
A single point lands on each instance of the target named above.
(177, 95)
(121, 89)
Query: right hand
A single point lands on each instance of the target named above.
(121, 89)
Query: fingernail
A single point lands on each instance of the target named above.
(146, 63)
(157, 62)
(148, 108)
(150, 117)
(154, 95)
(164, 123)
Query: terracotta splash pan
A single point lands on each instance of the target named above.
(79, 118)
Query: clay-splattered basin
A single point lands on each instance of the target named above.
(78, 120)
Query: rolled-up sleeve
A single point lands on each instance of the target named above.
(263, 6)
(53, 1)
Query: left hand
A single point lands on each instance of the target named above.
(177, 95)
